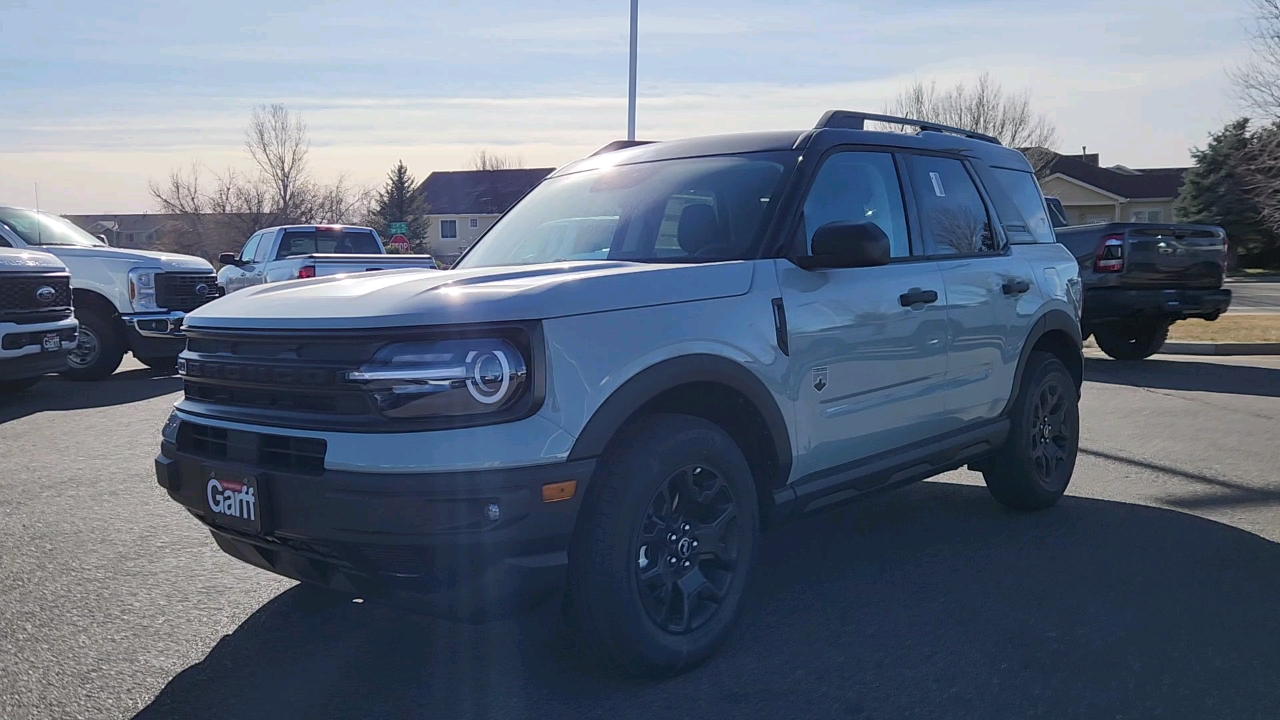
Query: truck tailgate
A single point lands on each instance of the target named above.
(336, 264)
(1174, 256)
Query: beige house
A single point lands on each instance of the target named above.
(1094, 194)
(462, 204)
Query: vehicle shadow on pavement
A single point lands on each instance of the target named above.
(932, 602)
(55, 394)
(1185, 375)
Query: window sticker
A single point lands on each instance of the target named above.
(937, 184)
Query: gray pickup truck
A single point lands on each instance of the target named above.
(1140, 278)
(298, 252)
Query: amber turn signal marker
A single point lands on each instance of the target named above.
(555, 492)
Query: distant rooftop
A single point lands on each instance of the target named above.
(1125, 182)
(478, 192)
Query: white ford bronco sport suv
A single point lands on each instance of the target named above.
(659, 351)
(126, 300)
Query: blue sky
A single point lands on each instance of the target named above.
(98, 97)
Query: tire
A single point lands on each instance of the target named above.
(9, 387)
(1132, 341)
(634, 540)
(167, 365)
(99, 348)
(1033, 468)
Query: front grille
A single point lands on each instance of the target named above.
(284, 453)
(185, 291)
(34, 294)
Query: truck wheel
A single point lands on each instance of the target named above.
(8, 387)
(1132, 341)
(1032, 470)
(661, 554)
(167, 365)
(99, 348)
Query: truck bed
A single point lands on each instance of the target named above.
(338, 263)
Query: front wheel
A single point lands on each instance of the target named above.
(659, 563)
(1132, 341)
(99, 348)
(1032, 470)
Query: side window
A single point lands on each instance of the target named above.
(952, 213)
(448, 229)
(264, 246)
(859, 187)
(246, 254)
(1022, 188)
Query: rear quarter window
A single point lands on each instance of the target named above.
(1022, 188)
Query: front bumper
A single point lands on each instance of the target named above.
(26, 357)
(428, 540)
(157, 325)
(1108, 304)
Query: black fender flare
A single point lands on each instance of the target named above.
(1054, 320)
(656, 379)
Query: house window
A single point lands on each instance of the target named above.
(475, 223)
(448, 229)
(1146, 216)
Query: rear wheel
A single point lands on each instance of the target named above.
(660, 559)
(1033, 468)
(16, 386)
(1132, 341)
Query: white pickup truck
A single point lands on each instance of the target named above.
(37, 329)
(126, 300)
(296, 252)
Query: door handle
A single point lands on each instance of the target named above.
(1015, 287)
(916, 296)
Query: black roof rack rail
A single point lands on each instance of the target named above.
(852, 120)
(620, 145)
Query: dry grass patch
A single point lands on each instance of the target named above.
(1229, 328)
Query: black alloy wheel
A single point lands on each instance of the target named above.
(1052, 436)
(687, 550)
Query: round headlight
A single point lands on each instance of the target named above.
(445, 378)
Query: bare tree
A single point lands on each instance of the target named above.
(984, 107)
(278, 143)
(485, 160)
(342, 202)
(1257, 79)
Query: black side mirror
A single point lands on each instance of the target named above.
(846, 245)
(229, 259)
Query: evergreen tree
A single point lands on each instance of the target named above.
(1219, 190)
(398, 201)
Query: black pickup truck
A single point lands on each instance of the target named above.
(1139, 278)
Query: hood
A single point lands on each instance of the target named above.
(399, 298)
(13, 260)
(170, 262)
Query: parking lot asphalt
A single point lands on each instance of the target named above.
(1151, 590)
(1255, 296)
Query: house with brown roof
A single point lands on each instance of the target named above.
(1091, 193)
(462, 204)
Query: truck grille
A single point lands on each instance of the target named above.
(35, 298)
(185, 291)
(285, 453)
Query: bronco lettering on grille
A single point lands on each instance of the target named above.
(258, 374)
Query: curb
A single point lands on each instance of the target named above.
(1225, 348)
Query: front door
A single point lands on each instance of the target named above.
(984, 285)
(868, 345)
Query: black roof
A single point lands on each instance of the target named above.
(1131, 184)
(478, 192)
(818, 138)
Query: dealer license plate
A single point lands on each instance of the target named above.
(233, 499)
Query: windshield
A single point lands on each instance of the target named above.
(45, 229)
(688, 210)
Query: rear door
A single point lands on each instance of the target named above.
(984, 284)
(867, 345)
